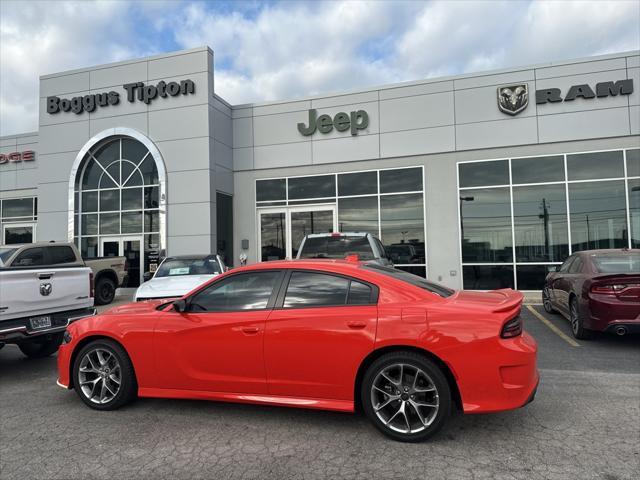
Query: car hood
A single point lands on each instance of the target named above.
(135, 307)
(175, 286)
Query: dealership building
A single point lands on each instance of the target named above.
(478, 181)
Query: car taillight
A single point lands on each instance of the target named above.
(512, 328)
(608, 289)
(92, 290)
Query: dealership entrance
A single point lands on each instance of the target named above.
(131, 249)
(281, 230)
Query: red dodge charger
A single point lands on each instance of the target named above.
(326, 334)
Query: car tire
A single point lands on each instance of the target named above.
(103, 375)
(406, 396)
(105, 291)
(546, 301)
(41, 347)
(577, 321)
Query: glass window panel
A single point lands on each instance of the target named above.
(89, 247)
(61, 254)
(76, 224)
(402, 224)
(149, 171)
(309, 202)
(17, 207)
(89, 201)
(361, 183)
(17, 234)
(537, 169)
(307, 223)
(92, 173)
(127, 169)
(487, 277)
(598, 215)
(481, 174)
(109, 223)
(274, 204)
(359, 293)
(633, 163)
(114, 171)
(90, 224)
(133, 150)
(30, 257)
(486, 225)
(248, 291)
(108, 152)
(596, 165)
(133, 180)
(131, 198)
(415, 270)
(540, 222)
(401, 180)
(267, 190)
(358, 215)
(308, 289)
(224, 226)
(634, 211)
(319, 186)
(109, 200)
(531, 277)
(151, 221)
(151, 197)
(272, 236)
(131, 222)
(35, 206)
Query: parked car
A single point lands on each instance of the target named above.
(323, 334)
(178, 275)
(340, 245)
(598, 291)
(43, 288)
(109, 273)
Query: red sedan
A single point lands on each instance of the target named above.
(326, 334)
(598, 291)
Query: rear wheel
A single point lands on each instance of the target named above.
(42, 346)
(103, 375)
(577, 322)
(406, 396)
(546, 301)
(105, 291)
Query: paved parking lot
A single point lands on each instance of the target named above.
(584, 423)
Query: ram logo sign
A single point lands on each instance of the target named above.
(46, 289)
(513, 98)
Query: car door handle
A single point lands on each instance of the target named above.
(355, 324)
(250, 330)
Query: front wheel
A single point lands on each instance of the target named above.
(103, 375)
(577, 322)
(41, 347)
(406, 396)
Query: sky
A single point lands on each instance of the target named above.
(275, 50)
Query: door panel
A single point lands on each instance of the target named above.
(316, 352)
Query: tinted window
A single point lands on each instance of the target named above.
(358, 214)
(336, 247)
(247, 291)
(61, 254)
(531, 277)
(362, 183)
(401, 180)
(567, 264)
(17, 207)
(537, 169)
(586, 166)
(359, 293)
(312, 187)
(270, 190)
(402, 225)
(487, 277)
(308, 289)
(109, 200)
(412, 280)
(5, 253)
(576, 266)
(89, 201)
(634, 212)
(633, 163)
(173, 267)
(482, 174)
(617, 263)
(30, 257)
(131, 199)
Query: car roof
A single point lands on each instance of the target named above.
(313, 263)
(608, 251)
(336, 234)
(192, 256)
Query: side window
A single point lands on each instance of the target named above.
(246, 291)
(61, 254)
(310, 289)
(31, 257)
(359, 293)
(576, 266)
(567, 263)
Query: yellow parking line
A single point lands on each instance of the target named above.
(553, 328)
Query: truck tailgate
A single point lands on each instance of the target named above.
(28, 292)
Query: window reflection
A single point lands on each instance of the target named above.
(272, 236)
(312, 187)
(271, 190)
(633, 163)
(531, 277)
(537, 169)
(484, 174)
(359, 183)
(488, 277)
(634, 212)
(598, 215)
(315, 290)
(540, 223)
(249, 291)
(402, 227)
(358, 215)
(591, 166)
(401, 180)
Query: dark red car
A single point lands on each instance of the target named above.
(597, 290)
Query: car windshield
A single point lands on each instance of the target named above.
(5, 253)
(173, 267)
(623, 263)
(412, 280)
(336, 247)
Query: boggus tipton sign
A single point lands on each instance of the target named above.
(355, 121)
(135, 91)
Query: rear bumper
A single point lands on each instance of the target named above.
(605, 313)
(630, 327)
(19, 329)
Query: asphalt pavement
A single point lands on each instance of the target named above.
(583, 424)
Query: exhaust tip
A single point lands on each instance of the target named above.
(620, 331)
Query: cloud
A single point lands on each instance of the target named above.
(282, 50)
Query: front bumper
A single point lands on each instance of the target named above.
(19, 329)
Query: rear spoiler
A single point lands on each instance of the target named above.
(512, 300)
(617, 276)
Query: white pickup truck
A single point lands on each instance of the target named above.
(43, 288)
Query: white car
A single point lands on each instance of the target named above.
(179, 275)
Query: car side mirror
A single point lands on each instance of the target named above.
(147, 276)
(180, 306)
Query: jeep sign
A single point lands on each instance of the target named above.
(356, 120)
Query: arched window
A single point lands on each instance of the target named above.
(117, 193)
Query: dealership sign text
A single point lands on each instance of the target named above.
(603, 89)
(356, 120)
(26, 156)
(136, 91)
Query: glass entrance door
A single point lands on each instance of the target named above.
(281, 230)
(131, 249)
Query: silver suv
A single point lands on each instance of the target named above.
(339, 245)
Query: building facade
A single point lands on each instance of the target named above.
(479, 181)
